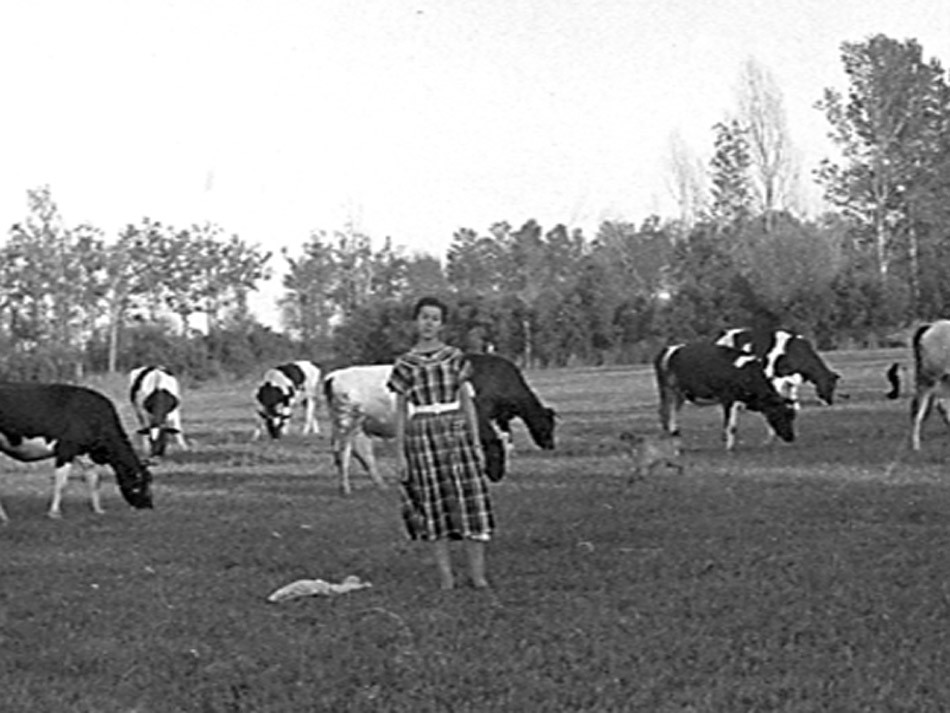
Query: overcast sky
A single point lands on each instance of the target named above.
(411, 118)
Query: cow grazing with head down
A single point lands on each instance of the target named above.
(931, 347)
(281, 389)
(361, 408)
(706, 374)
(63, 422)
(156, 399)
(788, 360)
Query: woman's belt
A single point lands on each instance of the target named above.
(437, 408)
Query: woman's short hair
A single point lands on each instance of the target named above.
(430, 301)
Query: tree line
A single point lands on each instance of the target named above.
(739, 252)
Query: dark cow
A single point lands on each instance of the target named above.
(931, 346)
(280, 390)
(706, 374)
(63, 422)
(156, 399)
(788, 360)
(362, 407)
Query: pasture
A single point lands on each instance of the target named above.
(810, 576)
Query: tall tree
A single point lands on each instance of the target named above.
(687, 182)
(731, 184)
(307, 306)
(890, 127)
(762, 112)
(475, 263)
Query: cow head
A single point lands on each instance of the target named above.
(158, 439)
(158, 405)
(275, 408)
(494, 451)
(825, 386)
(780, 414)
(761, 396)
(541, 428)
(135, 483)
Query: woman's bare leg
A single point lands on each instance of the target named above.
(444, 562)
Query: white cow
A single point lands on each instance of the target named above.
(361, 407)
(931, 347)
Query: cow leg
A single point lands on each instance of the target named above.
(942, 410)
(920, 407)
(60, 479)
(670, 403)
(342, 457)
(730, 423)
(3, 516)
(310, 424)
(91, 472)
(174, 421)
(503, 435)
(363, 448)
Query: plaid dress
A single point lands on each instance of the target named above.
(447, 486)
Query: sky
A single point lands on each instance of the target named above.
(406, 119)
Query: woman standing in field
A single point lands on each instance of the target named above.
(438, 447)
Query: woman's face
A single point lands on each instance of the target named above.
(429, 322)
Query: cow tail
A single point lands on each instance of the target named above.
(894, 379)
(661, 366)
(139, 378)
(328, 391)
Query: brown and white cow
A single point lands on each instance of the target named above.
(931, 347)
(707, 374)
(282, 388)
(362, 408)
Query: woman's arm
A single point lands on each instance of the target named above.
(467, 399)
(402, 411)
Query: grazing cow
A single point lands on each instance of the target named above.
(281, 389)
(705, 374)
(156, 399)
(788, 360)
(362, 407)
(61, 421)
(931, 346)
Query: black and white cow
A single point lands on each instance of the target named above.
(280, 390)
(156, 399)
(707, 374)
(788, 359)
(931, 347)
(63, 422)
(361, 408)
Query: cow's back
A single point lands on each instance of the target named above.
(360, 393)
(932, 351)
(702, 369)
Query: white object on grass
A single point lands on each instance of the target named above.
(310, 587)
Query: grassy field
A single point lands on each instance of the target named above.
(810, 576)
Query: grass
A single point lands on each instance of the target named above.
(803, 577)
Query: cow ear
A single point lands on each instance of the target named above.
(143, 431)
(173, 431)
